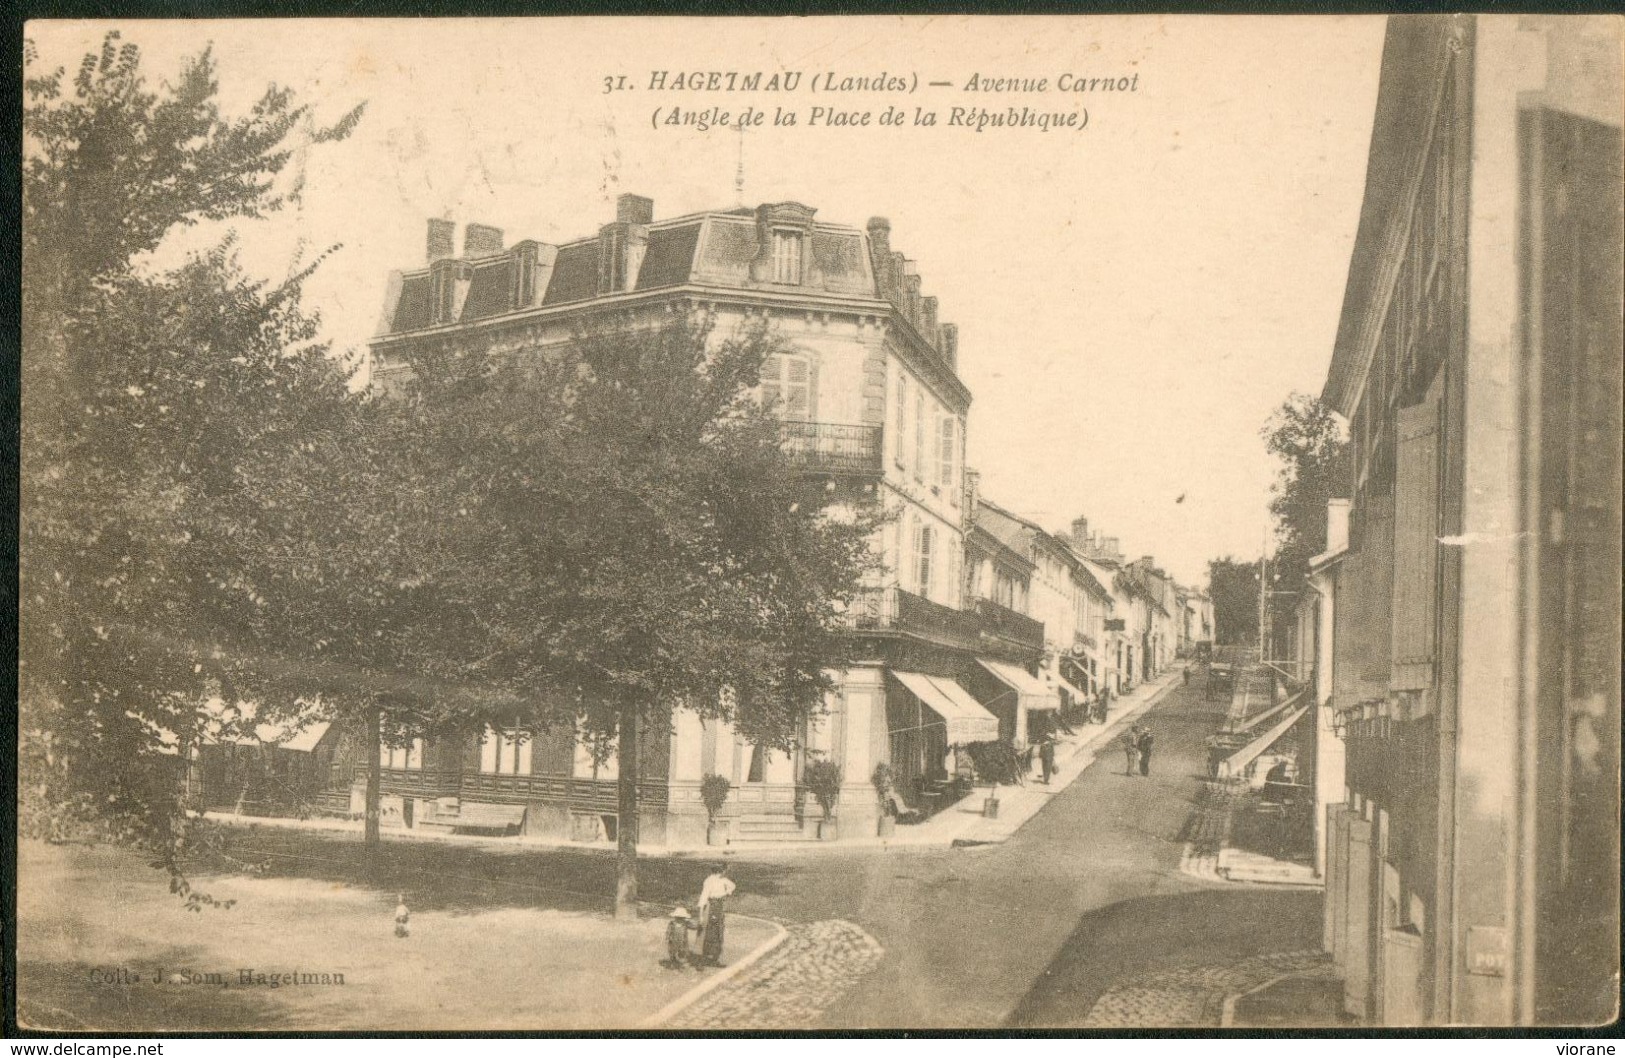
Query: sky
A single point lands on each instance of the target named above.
(1134, 297)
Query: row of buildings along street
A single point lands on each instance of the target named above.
(1367, 781)
(983, 627)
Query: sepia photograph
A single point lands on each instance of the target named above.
(840, 524)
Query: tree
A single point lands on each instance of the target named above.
(630, 537)
(1233, 586)
(145, 396)
(1307, 438)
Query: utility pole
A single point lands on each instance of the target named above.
(1263, 600)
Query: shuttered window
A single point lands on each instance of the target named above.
(922, 560)
(1416, 544)
(945, 452)
(900, 427)
(786, 257)
(919, 435)
(789, 384)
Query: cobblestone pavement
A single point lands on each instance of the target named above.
(792, 985)
(1193, 996)
(1207, 828)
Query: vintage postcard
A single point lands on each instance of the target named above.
(822, 524)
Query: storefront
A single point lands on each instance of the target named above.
(927, 717)
(1026, 705)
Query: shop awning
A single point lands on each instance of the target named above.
(1238, 761)
(1033, 692)
(966, 719)
(1072, 689)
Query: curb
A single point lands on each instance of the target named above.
(717, 980)
(1227, 1013)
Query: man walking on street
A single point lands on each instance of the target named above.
(1143, 744)
(1131, 749)
(1046, 758)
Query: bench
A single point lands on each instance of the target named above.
(475, 816)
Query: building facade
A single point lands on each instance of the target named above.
(1473, 861)
(871, 401)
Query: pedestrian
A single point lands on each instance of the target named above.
(714, 896)
(1131, 749)
(1046, 758)
(1144, 743)
(1187, 675)
(678, 928)
(403, 917)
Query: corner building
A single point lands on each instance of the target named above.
(873, 404)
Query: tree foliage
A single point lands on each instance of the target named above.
(1233, 586)
(1308, 440)
(147, 399)
(625, 535)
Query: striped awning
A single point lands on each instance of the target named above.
(967, 721)
(1033, 691)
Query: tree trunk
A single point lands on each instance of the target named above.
(626, 827)
(375, 779)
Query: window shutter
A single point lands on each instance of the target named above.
(900, 427)
(795, 387)
(945, 452)
(919, 435)
(772, 372)
(812, 389)
(1416, 544)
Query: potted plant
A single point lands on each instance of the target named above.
(823, 778)
(996, 764)
(714, 792)
(885, 790)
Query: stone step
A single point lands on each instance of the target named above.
(768, 823)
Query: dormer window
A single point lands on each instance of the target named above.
(787, 247)
(443, 276)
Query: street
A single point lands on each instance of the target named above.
(1086, 898)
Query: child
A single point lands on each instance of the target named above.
(403, 917)
(677, 930)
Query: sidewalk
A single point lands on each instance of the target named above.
(959, 824)
(1212, 851)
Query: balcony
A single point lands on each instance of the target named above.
(898, 612)
(834, 448)
(1009, 625)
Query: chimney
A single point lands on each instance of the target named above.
(1080, 532)
(442, 241)
(481, 240)
(928, 320)
(1109, 546)
(1337, 526)
(911, 293)
(634, 209)
(950, 344)
(879, 240)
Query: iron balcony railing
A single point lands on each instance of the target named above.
(899, 611)
(834, 448)
(1008, 624)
